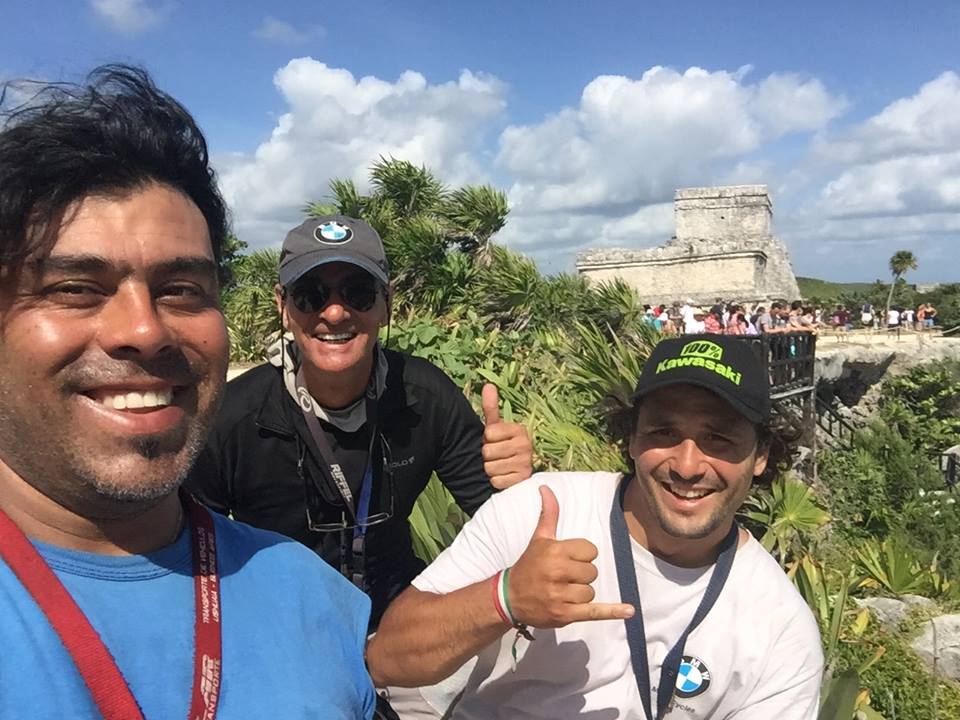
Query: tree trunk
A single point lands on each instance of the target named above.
(886, 313)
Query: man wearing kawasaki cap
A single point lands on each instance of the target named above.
(630, 596)
(332, 441)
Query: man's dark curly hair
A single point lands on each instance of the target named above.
(776, 435)
(113, 134)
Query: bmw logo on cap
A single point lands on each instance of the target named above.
(693, 677)
(333, 232)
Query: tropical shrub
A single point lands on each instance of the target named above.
(898, 683)
(924, 406)
(435, 521)
(787, 513)
(892, 565)
(249, 305)
(871, 486)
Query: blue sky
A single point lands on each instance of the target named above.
(588, 114)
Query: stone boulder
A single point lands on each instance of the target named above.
(890, 612)
(938, 645)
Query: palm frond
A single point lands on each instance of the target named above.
(413, 190)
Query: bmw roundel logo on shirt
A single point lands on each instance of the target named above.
(693, 677)
(333, 232)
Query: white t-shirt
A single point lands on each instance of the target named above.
(691, 326)
(756, 656)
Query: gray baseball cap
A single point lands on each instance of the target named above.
(332, 238)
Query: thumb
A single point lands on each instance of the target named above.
(549, 514)
(490, 402)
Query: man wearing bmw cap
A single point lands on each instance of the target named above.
(332, 440)
(630, 596)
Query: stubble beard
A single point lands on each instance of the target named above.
(695, 529)
(124, 480)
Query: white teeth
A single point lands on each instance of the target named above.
(688, 494)
(335, 336)
(136, 400)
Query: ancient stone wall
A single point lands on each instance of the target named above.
(736, 212)
(702, 277)
(722, 249)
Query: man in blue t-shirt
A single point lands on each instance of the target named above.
(121, 597)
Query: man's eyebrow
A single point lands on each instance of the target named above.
(88, 263)
(192, 265)
(71, 263)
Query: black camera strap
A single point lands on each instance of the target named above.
(630, 593)
(355, 513)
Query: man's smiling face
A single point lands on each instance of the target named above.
(695, 459)
(336, 338)
(113, 352)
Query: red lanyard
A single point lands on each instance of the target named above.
(92, 658)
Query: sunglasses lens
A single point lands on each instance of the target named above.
(313, 297)
(359, 296)
(309, 297)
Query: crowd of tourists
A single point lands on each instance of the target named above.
(173, 546)
(689, 318)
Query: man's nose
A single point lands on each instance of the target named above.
(688, 461)
(335, 311)
(132, 324)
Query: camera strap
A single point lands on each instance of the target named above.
(351, 554)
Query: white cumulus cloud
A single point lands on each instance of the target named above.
(603, 172)
(336, 126)
(927, 122)
(631, 142)
(129, 17)
(905, 160)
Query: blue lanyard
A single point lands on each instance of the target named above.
(630, 593)
(363, 503)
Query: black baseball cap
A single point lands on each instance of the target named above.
(332, 238)
(723, 364)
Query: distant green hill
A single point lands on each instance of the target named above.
(826, 290)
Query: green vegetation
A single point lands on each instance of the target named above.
(566, 355)
(826, 290)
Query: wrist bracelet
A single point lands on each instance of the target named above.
(503, 595)
(495, 585)
(502, 601)
(504, 598)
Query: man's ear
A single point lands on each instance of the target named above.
(280, 297)
(761, 457)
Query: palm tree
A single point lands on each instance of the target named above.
(423, 225)
(412, 190)
(475, 213)
(249, 307)
(900, 262)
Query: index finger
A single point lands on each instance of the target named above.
(584, 612)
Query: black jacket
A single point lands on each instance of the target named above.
(249, 467)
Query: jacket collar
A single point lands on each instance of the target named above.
(279, 412)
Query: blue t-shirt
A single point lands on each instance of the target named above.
(293, 632)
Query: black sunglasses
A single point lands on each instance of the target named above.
(310, 296)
